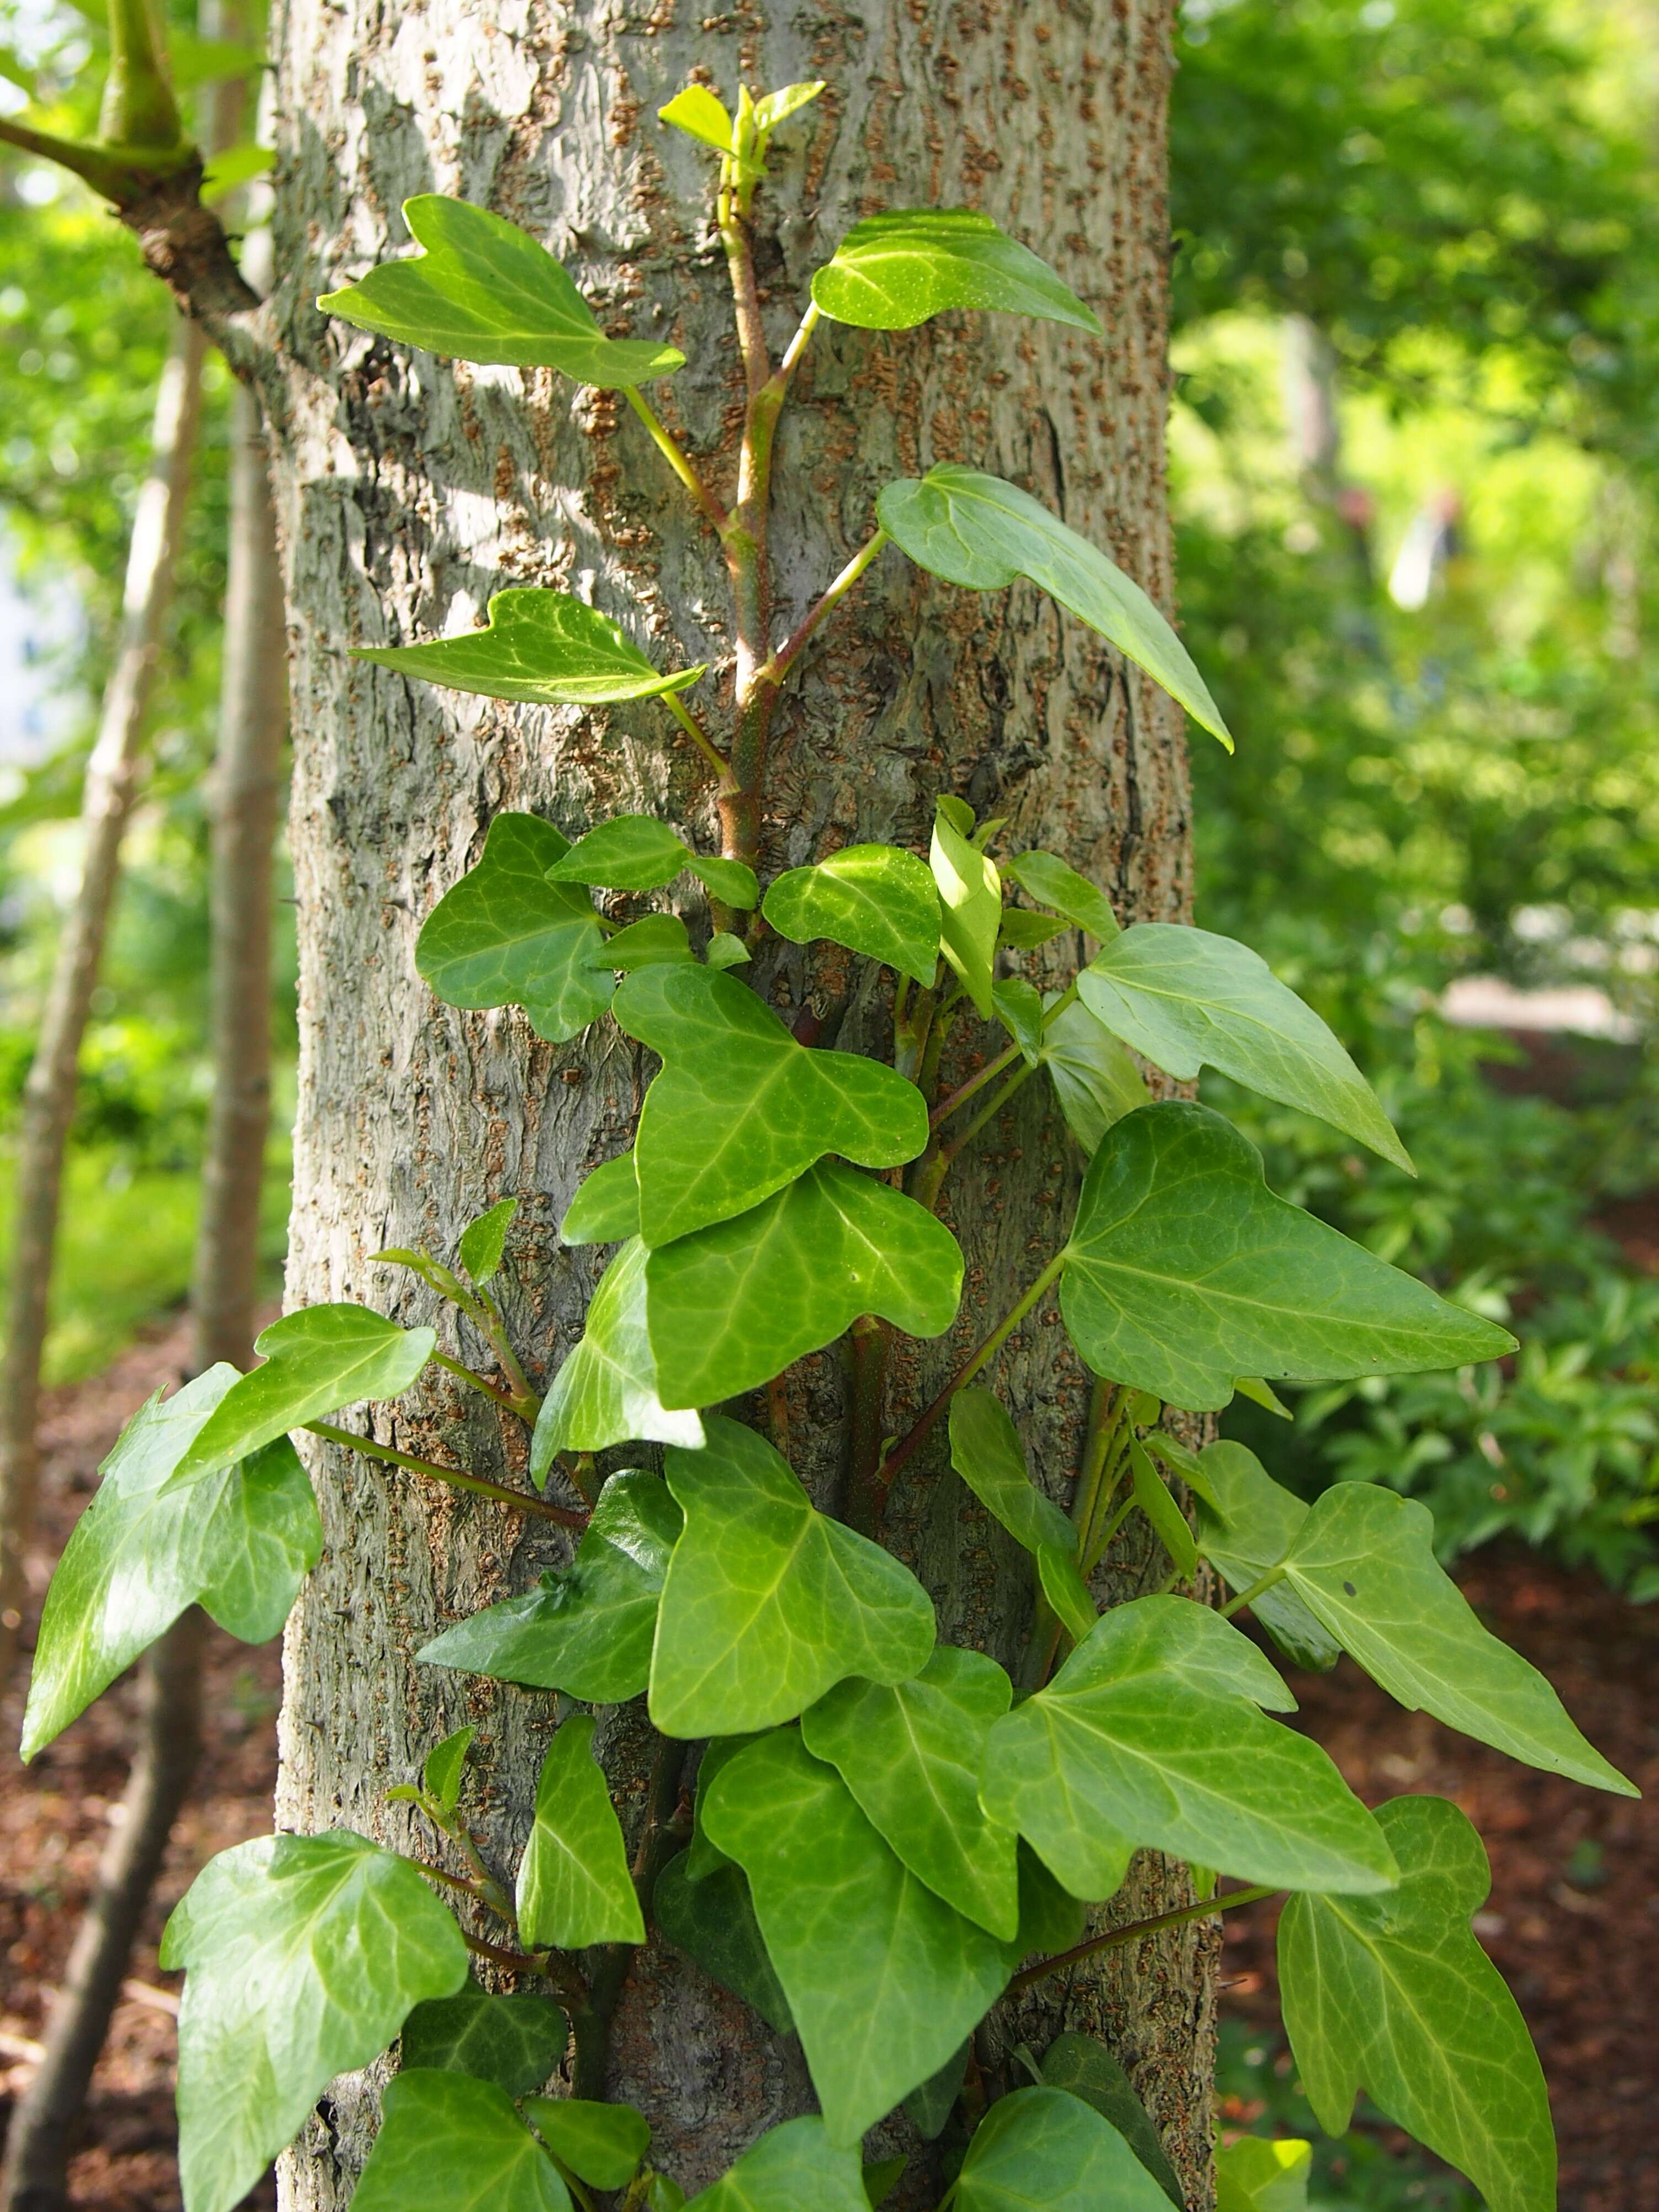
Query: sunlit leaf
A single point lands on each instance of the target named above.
(483, 1241)
(703, 115)
(606, 1208)
(574, 1886)
(450, 2143)
(874, 899)
(638, 853)
(970, 908)
(893, 271)
(607, 1392)
(542, 647)
(1053, 883)
(443, 1766)
(647, 943)
(1261, 2173)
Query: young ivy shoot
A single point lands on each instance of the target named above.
(890, 1834)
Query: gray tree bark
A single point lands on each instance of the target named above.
(408, 490)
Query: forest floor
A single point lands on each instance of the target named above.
(1573, 1923)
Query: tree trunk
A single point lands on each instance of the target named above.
(408, 492)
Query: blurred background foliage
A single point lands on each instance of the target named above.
(1413, 440)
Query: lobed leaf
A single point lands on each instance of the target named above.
(573, 1885)
(607, 1391)
(513, 2041)
(893, 271)
(541, 647)
(874, 899)
(450, 2143)
(1042, 2147)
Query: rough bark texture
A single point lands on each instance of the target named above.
(408, 492)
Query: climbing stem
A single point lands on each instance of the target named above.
(778, 666)
(542, 1508)
(475, 1381)
(965, 1091)
(1115, 1937)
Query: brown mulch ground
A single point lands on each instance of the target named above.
(1573, 1921)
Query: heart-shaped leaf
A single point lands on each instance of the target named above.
(607, 1392)
(740, 1108)
(893, 271)
(483, 290)
(449, 2144)
(725, 950)
(575, 1888)
(513, 2041)
(979, 532)
(987, 1452)
(1096, 1081)
(1363, 1563)
(1394, 1996)
(735, 1305)
(587, 1631)
(712, 1920)
(637, 852)
(1053, 883)
(542, 647)
(304, 1954)
(875, 899)
(1084, 2066)
(506, 937)
(910, 1754)
(606, 1208)
(790, 2168)
(970, 908)
(1148, 1734)
(1185, 999)
(1184, 1272)
(1043, 2147)
(855, 1938)
(239, 1538)
(1245, 1526)
(316, 1361)
(483, 1241)
(600, 2144)
(768, 1602)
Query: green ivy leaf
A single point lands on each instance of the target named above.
(240, 1540)
(442, 1771)
(1084, 2066)
(882, 2177)
(1065, 1590)
(740, 1108)
(970, 908)
(1022, 931)
(1363, 1564)
(983, 534)
(736, 1304)
(1052, 883)
(1148, 1734)
(775, 107)
(1050, 1918)
(574, 1886)
(506, 937)
(712, 1919)
(652, 939)
(930, 2107)
(703, 1858)
(637, 852)
(317, 1361)
(987, 1452)
(790, 2168)
(855, 1938)
(482, 290)
(1095, 1080)
(702, 115)
(893, 271)
(1257, 2174)
(514, 2041)
(484, 1241)
(1042, 2147)
(1184, 1272)
(542, 648)
(450, 2143)
(587, 1631)
(1246, 1526)
(725, 950)
(1019, 1006)
(600, 2144)
(768, 1602)
(877, 900)
(607, 1392)
(1395, 1995)
(910, 1754)
(606, 1207)
(1185, 999)
(305, 1955)
(1161, 1510)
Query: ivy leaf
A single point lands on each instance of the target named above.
(1095, 1080)
(637, 852)
(1257, 2174)
(701, 1857)
(541, 647)
(775, 107)
(240, 1538)
(606, 1207)
(607, 1392)
(1161, 1510)
(600, 2144)
(574, 1886)
(882, 2177)
(317, 1361)
(1148, 1734)
(1394, 1996)
(981, 533)
(1018, 1008)
(1065, 1590)
(855, 1936)
(484, 1241)
(735, 1305)
(1043, 2147)
(1363, 1564)
(305, 1956)
(1184, 1272)
(506, 937)
(725, 950)
(740, 1108)
(893, 271)
(928, 2108)
(987, 1452)
(1022, 931)
(482, 290)
(1245, 1526)
(790, 2168)
(768, 1602)
(1186, 999)
(587, 1631)
(877, 900)
(514, 2041)
(970, 908)
(442, 1771)
(713, 1921)
(910, 1755)
(1052, 883)
(450, 2143)
(702, 115)
(654, 938)
(1084, 2066)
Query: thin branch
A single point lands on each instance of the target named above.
(798, 344)
(782, 661)
(542, 1508)
(1261, 1583)
(693, 730)
(676, 458)
(477, 1381)
(965, 1091)
(1115, 1937)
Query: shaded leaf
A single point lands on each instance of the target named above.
(1246, 1527)
(930, 2107)
(1257, 2174)
(1065, 1590)
(1019, 1006)
(725, 950)
(652, 939)
(987, 1452)
(1096, 1081)
(713, 1921)
(970, 908)
(601, 2144)
(1053, 883)
(483, 1241)
(874, 899)
(573, 1885)
(513, 2041)
(1161, 1510)
(442, 1771)
(893, 271)
(541, 647)
(882, 2177)
(607, 1392)
(1042, 2147)
(606, 1207)
(506, 937)
(791, 2168)
(451, 2143)
(1022, 931)
(1083, 2066)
